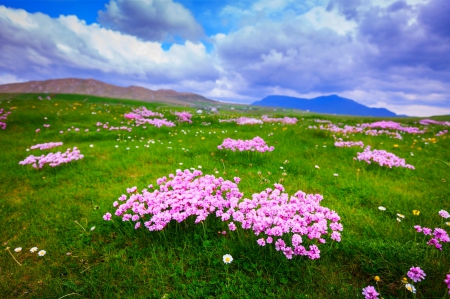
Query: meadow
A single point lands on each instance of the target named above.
(58, 240)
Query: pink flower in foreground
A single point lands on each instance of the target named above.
(447, 281)
(232, 226)
(444, 214)
(416, 274)
(261, 242)
(370, 293)
(107, 216)
(269, 214)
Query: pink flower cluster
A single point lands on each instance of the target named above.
(396, 135)
(131, 115)
(144, 112)
(392, 125)
(275, 215)
(155, 122)
(139, 115)
(285, 120)
(3, 116)
(416, 274)
(447, 281)
(369, 292)
(427, 122)
(48, 145)
(53, 159)
(184, 116)
(440, 133)
(255, 144)
(349, 143)
(243, 121)
(382, 157)
(184, 194)
(438, 235)
(365, 128)
(270, 212)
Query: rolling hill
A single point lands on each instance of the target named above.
(98, 88)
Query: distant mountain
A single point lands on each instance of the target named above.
(98, 88)
(332, 104)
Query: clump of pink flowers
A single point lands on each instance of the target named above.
(3, 116)
(392, 125)
(131, 115)
(139, 115)
(368, 129)
(184, 116)
(438, 235)
(416, 274)
(155, 122)
(370, 292)
(144, 112)
(382, 157)
(427, 122)
(271, 212)
(285, 120)
(243, 121)
(440, 133)
(349, 143)
(255, 144)
(447, 281)
(53, 159)
(48, 145)
(275, 215)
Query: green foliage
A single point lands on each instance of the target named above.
(55, 208)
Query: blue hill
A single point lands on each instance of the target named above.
(332, 104)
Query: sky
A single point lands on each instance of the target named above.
(392, 54)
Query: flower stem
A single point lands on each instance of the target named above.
(13, 257)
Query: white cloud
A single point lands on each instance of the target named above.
(70, 46)
(9, 78)
(416, 110)
(284, 47)
(154, 20)
(318, 18)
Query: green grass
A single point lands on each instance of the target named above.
(55, 208)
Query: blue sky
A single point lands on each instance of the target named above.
(382, 53)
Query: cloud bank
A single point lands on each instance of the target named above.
(381, 53)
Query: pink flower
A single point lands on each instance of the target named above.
(261, 242)
(444, 214)
(447, 281)
(232, 226)
(336, 236)
(280, 245)
(370, 293)
(416, 274)
(426, 231)
(107, 216)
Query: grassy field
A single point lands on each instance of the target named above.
(60, 210)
